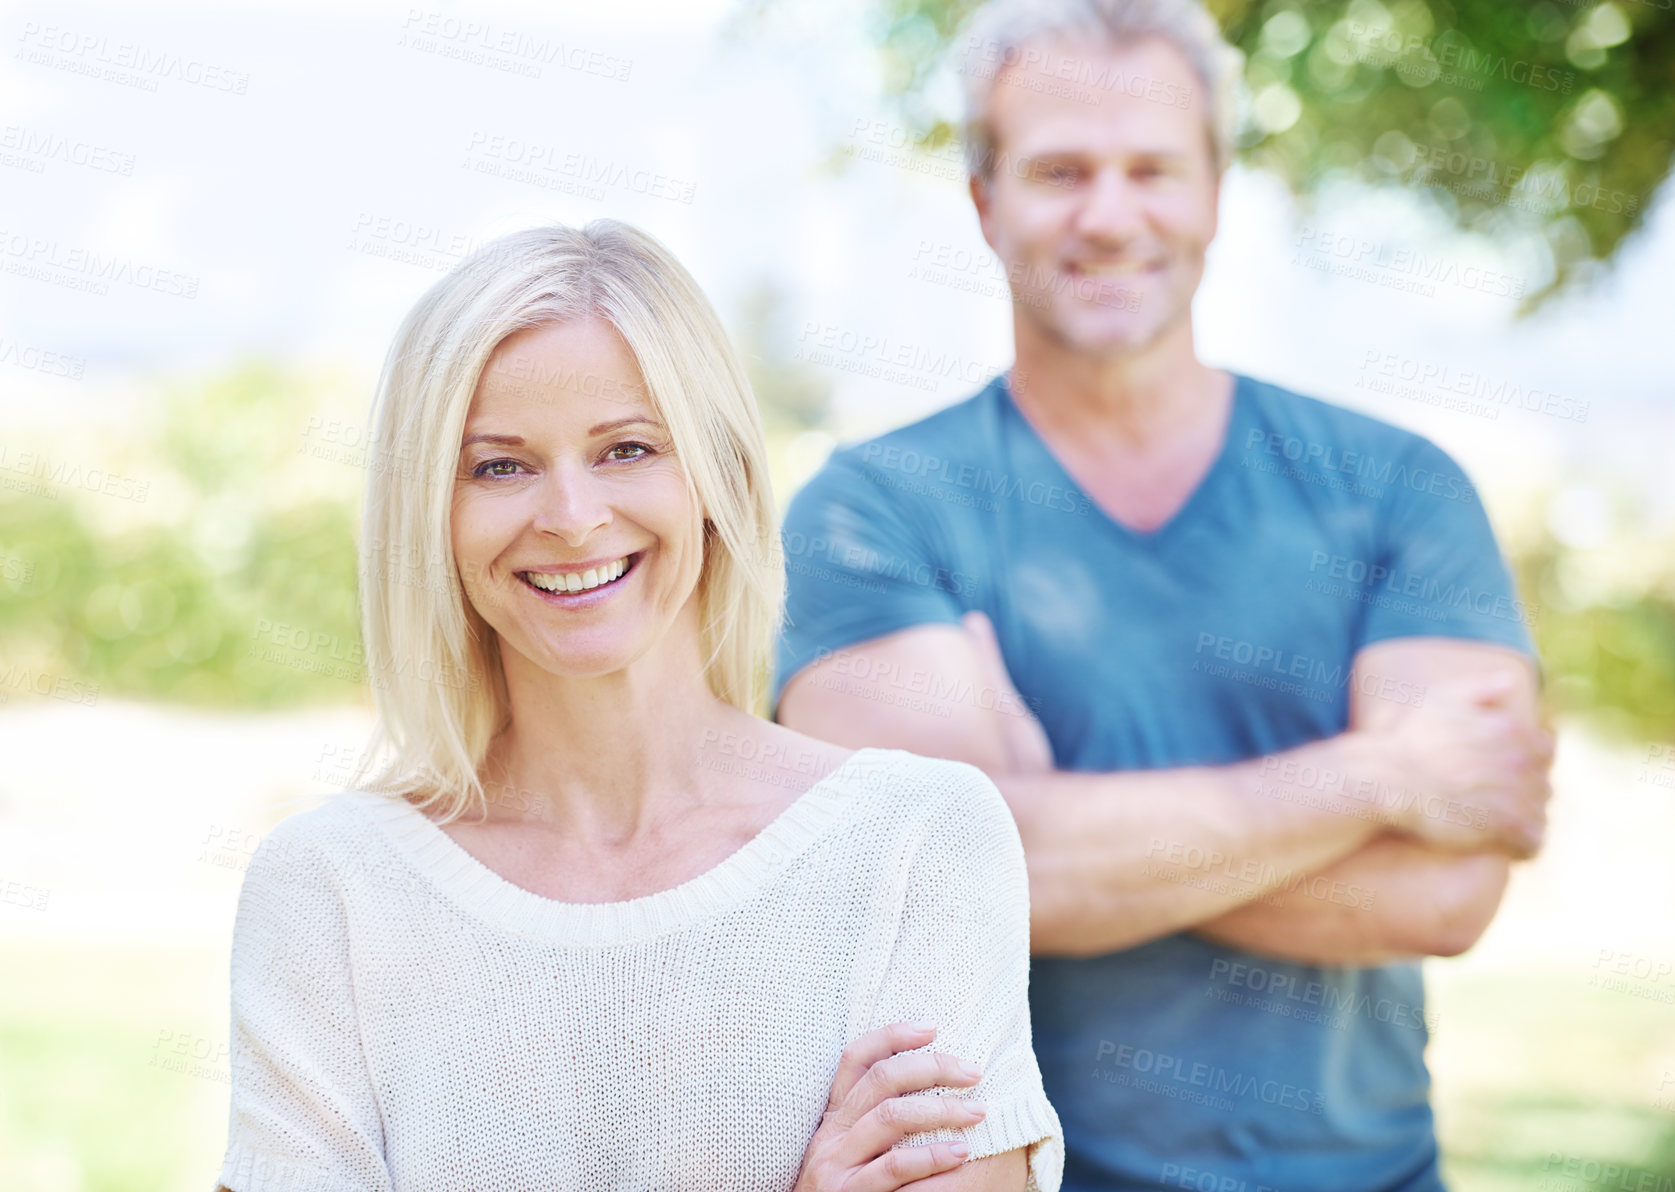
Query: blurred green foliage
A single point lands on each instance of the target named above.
(247, 597)
(791, 396)
(1548, 122)
(1612, 661)
(170, 602)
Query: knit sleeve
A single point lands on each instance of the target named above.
(961, 960)
(304, 1115)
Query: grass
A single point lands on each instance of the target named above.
(86, 1103)
(1546, 1081)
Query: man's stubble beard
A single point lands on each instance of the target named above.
(1057, 331)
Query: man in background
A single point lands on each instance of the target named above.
(1248, 667)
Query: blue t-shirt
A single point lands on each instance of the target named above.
(1226, 634)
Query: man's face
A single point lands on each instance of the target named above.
(1102, 199)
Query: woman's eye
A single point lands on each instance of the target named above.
(633, 450)
(496, 467)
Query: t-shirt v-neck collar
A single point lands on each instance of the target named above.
(1187, 510)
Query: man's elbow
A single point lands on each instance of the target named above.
(1459, 930)
(1058, 930)
(1070, 928)
(1050, 938)
(1453, 939)
(1465, 905)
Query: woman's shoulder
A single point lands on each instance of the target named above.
(928, 788)
(929, 776)
(954, 843)
(328, 833)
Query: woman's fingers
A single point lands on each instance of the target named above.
(859, 1057)
(881, 1109)
(875, 1103)
(890, 1121)
(911, 1073)
(897, 1169)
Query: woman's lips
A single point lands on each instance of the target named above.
(585, 595)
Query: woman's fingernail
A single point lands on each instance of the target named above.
(960, 1149)
(970, 1071)
(977, 1108)
(921, 1026)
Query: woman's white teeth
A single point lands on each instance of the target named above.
(578, 581)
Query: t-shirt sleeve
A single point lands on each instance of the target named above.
(861, 561)
(961, 961)
(304, 1115)
(1440, 572)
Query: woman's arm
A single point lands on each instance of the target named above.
(304, 1112)
(1006, 1172)
(961, 959)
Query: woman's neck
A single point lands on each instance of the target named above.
(604, 757)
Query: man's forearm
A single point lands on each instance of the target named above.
(1118, 859)
(1402, 899)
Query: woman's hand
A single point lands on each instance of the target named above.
(867, 1114)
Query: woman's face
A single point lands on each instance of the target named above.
(573, 530)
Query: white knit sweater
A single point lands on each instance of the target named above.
(405, 1020)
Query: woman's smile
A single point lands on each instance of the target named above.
(580, 587)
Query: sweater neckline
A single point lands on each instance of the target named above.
(501, 904)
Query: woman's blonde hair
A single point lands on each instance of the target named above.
(434, 664)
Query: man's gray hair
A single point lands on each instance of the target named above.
(996, 36)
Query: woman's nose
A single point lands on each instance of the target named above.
(570, 503)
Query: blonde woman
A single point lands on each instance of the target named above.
(591, 922)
